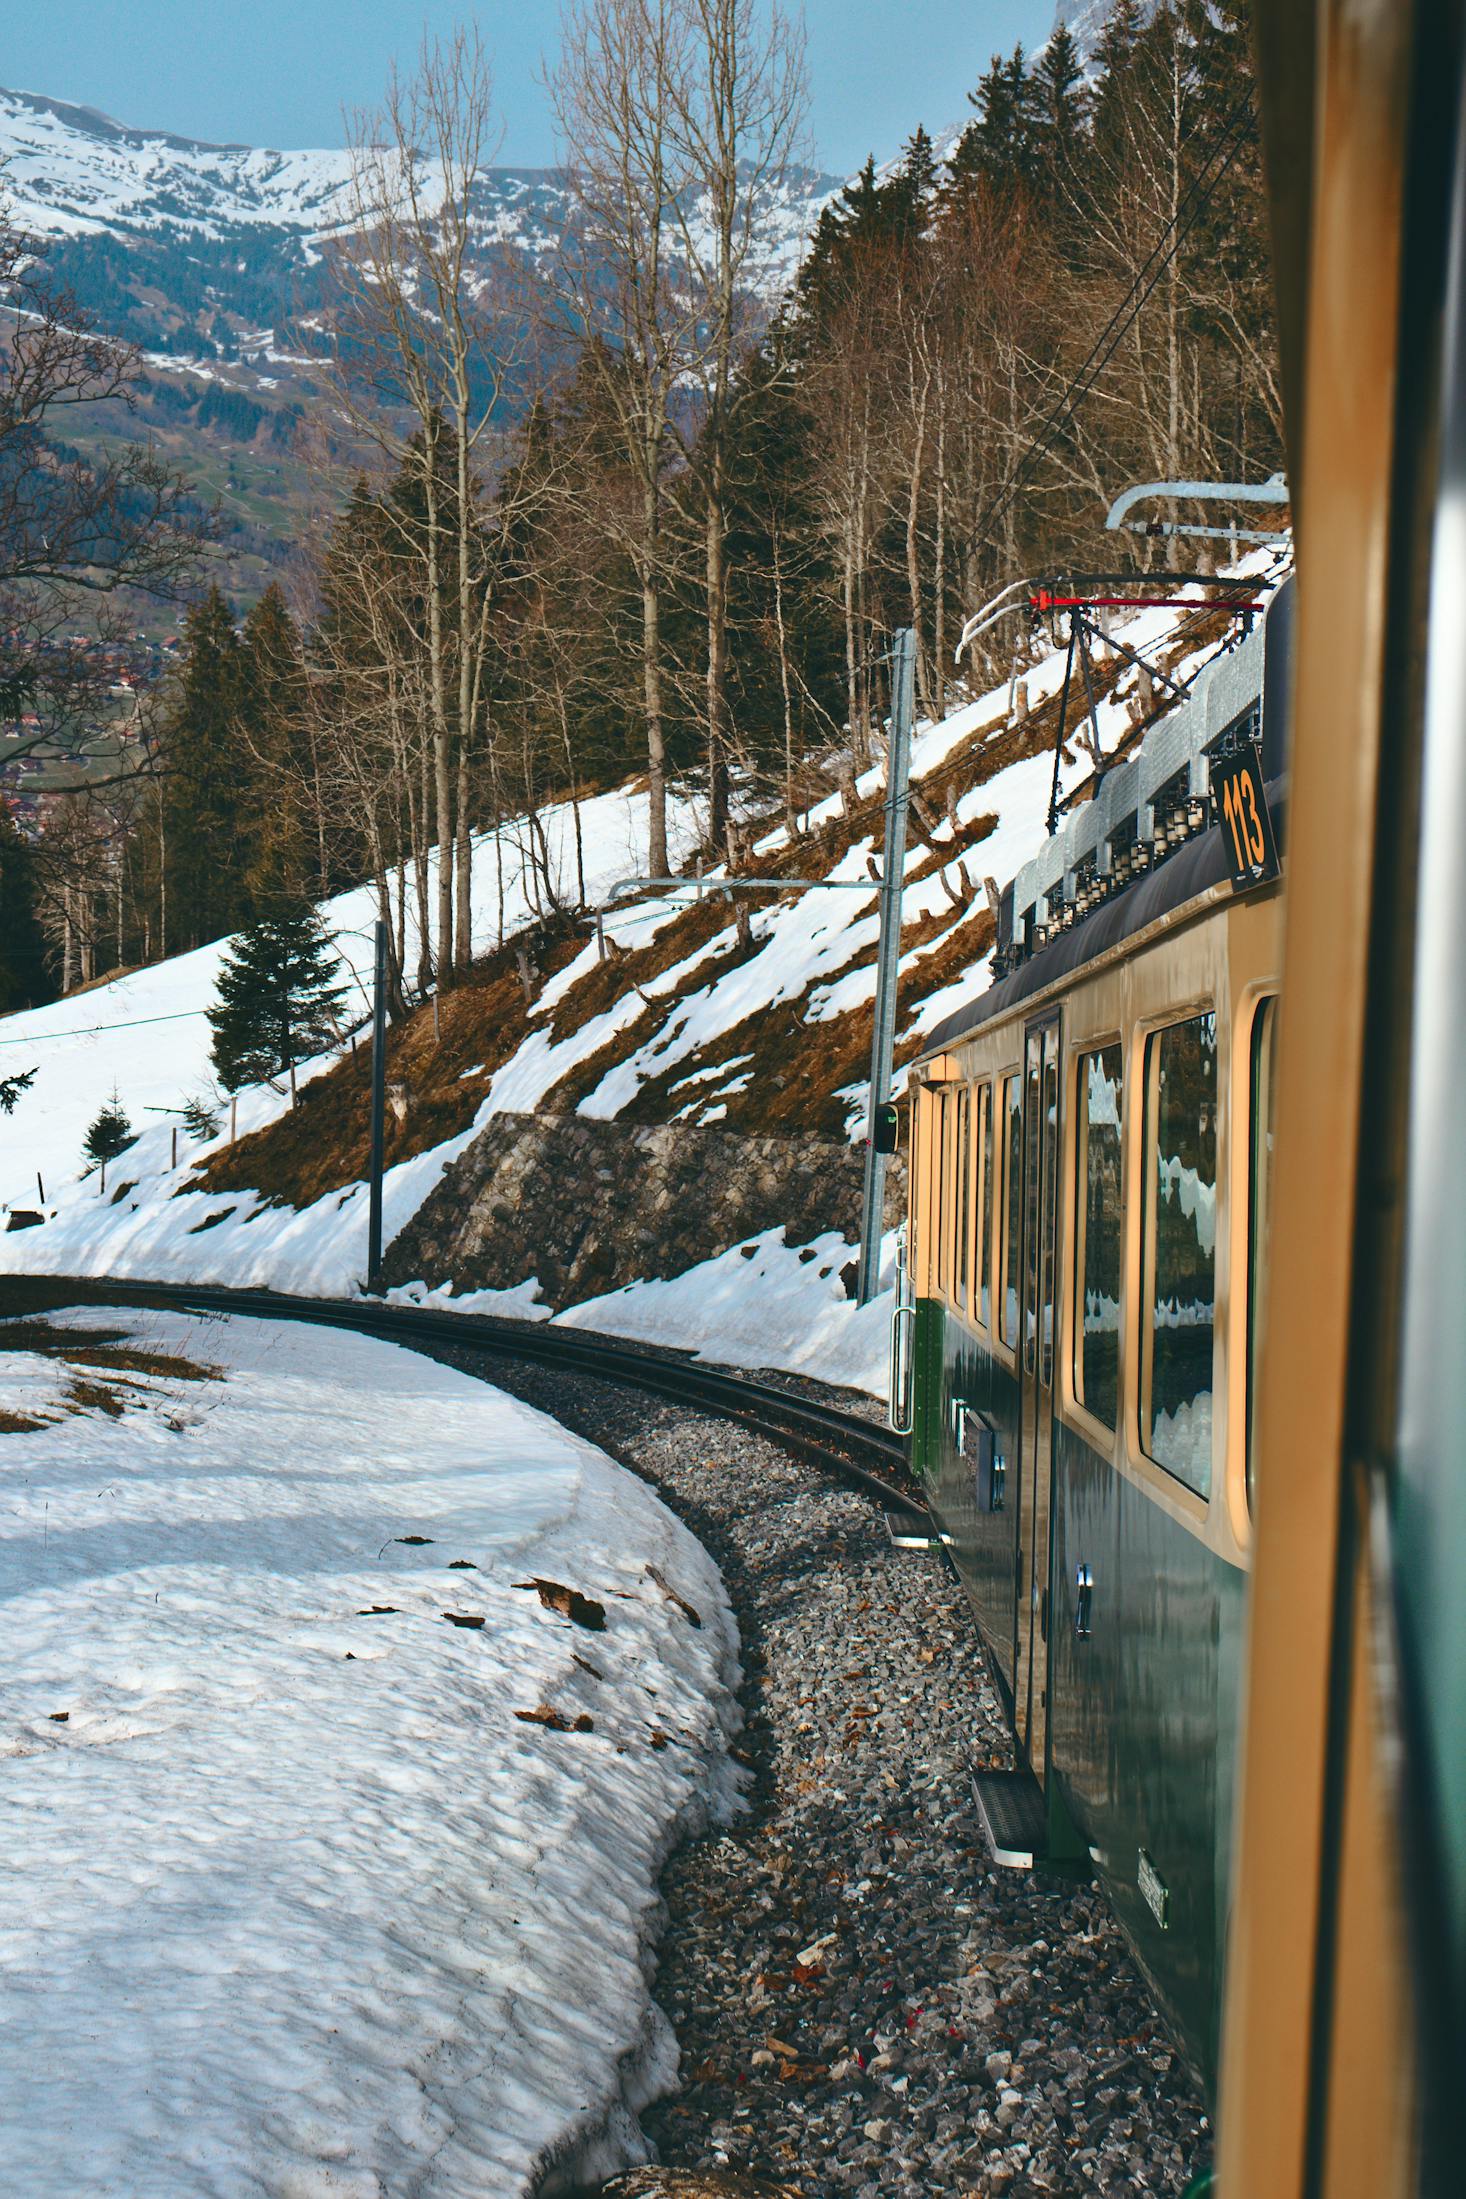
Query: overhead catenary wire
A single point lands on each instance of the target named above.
(93, 1030)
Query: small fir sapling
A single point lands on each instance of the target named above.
(110, 1134)
(200, 1119)
(277, 1002)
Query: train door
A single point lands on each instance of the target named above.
(1038, 1284)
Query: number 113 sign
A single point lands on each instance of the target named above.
(1247, 828)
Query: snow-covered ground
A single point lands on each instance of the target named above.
(813, 955)
(297, 1904)
(763, 1303)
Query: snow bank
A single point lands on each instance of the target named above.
(760, 1304)
(763, 1304)
(298, 1904)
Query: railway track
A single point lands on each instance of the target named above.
(859, 1452)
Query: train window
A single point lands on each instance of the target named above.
(985, 1205)
(961, 1197)
(1264, 1112)
(933, 1174)
(1032, 1150)
(1051, 1201)
(1012, 1202)
(943, 1179)
(1098, 1264)
(1180, 1247)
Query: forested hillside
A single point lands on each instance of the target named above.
(684, 557)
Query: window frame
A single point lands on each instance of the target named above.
(1146, 1038)
(1010, 1243)
(962, 1199)
(982, 1206)
(1264, 1013)
(1110, 1432)
(939, 1203)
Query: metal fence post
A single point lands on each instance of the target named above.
(379, 1112)
(893, 874)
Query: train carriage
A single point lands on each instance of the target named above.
(1090, 1148)
(1112, 1188)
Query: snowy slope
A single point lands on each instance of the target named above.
(162, 1230)
(812, 958)
(146, 1035)
(297, 1904)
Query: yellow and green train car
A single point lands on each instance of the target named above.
(1221, 1572)
(1090, 1166)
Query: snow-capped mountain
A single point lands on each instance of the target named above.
(88, 184)
(70, 171)
(1085, 18)
(210, 259)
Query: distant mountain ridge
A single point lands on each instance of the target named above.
(209, 259)
(209, 255)
(73, 170)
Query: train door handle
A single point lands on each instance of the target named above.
(1084, 1603)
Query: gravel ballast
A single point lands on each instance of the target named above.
(863, 2004)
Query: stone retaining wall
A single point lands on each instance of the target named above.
(587, 1206)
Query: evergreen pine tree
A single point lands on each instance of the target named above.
(867, 212)
(1003, 142)
(1061, 99)
(1115, 56)
(200, 1119)
(207, 796)
(24, 979)
(909, 194)
(109, 1134)
(275, 745)
(277, 1000)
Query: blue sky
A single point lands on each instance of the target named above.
(278, 72)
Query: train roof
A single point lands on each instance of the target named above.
(1048, 925)
(1193, 870)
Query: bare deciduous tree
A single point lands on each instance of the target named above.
(739, 104)
(622, 80)
(425, 348)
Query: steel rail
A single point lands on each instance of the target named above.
(857, 1451)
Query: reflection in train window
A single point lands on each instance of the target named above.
(1050, 1200)
(939, 1179)
(1264, 1111)
(1180, 1249)
(1097, 1358)
(985, 1205)
(1012, 1203)
(962, 1204)
(1032, 1152)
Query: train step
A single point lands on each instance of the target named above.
(1015, 1817)
(910, 1530)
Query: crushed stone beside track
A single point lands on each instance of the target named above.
(864, 2006)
